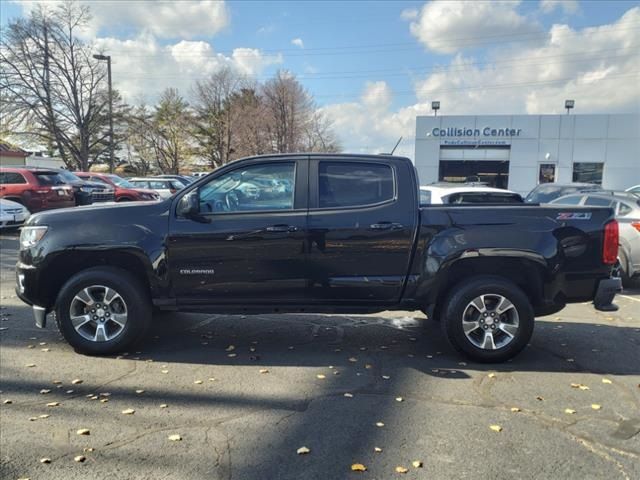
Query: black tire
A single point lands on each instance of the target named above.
(457, 303)
(135, 297)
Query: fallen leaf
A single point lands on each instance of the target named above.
(583, 387)
(399, 399)
(606, 380)
(416, 464)
(53, 404)
(492, 375)
(377, 449)
(353, 360)
(43, 416)
(164, 405)
(570, 411)
(44, 391)
(104, 400)
(128, 411)
(33, 419)
(230, 348)
(76, 381)
(57, 382)
(175, 437)
(197, 382)
(595, 406)
(515, 409)
(83, 431)
(368, 366)
(348, 395)
(264, 370)
(87, 449)
(45, 349)
(496, 428)
(303, 451)
(379, 424)
(139, 391)
(358, 467)
(386, 377)
(321, 376)
(164, 371)
(232, 355)
(30, 365)
(400, 469)
(79, 458)
(539, 398)
(8, 402)
(45, 460)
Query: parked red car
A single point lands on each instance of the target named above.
(125, 191)
(35, 188)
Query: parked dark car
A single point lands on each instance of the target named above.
(36, 188)
(124, 190)
(545, 192)
(87, 192)
(349, 237)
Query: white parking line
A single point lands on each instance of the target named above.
(630, 298)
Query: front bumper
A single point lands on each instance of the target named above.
(605, 294)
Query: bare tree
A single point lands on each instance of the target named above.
(53, 92)
(252, 135)
(216, 115)
(318, 135)
(169, 132)
(138, 143)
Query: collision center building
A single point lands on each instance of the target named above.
(520, 151)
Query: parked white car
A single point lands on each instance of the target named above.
(165, 187)
(12, 214)
(444, 193)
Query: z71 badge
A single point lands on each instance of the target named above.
(574, 216)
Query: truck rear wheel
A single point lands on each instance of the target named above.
(102, 310)
(488, 319)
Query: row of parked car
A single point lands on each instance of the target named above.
(25, 190)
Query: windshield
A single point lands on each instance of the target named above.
(49, 178)
(69, 177)
(121, 182)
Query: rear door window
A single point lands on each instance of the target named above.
(11, 178)
(354, 184)
(598, 202)
(570, 200)
(49, 179)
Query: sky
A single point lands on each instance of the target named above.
(373, 66)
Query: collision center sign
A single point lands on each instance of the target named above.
(481, 136)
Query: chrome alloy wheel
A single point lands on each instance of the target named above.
(98, 313)
(490, 321)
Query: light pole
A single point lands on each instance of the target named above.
(435, 106)
(108, 60)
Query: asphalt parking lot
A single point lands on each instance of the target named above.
(244, 393)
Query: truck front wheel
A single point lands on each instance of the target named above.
(102, 310)
(488, 319)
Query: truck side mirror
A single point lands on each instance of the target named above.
(189, 205)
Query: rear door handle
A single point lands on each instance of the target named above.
(386, 226)
(281, 229)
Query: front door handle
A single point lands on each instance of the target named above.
(386, 226)
(281, 229)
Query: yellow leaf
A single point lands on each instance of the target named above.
(30, 365)
(416, 464)
(515, 409)
(303, 451)
(45, 460)
(43, 416)
(386, 377)
(175, 437)
(321, 376)
(164, 371)
(87, 449)
(8, 402)
(400, 469)
(377, 449)
(45, 391)
(264, 370)
(492, 375)
(83, 431)
(606, 380)
(583, 387)
(348, 395)
(399, 399)
(358, 467)
(595, 406)
(198, 382)
(79, 458)
(53, 404)
(128, 411)
(164, 405)
(76, 381)
(570, 411)
(57, 382)
(379, 424)
(496, 428)
(139, 391)
(575, 385)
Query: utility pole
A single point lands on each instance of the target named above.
(111, 146)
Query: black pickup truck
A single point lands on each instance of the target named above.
(315, 233)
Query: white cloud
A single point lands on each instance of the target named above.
(567, 6)
(297, 42)
(409, 14)
(182, 19)
(447, 27)
(596, 66)
(142, 67)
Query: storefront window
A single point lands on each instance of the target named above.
(547, 173)
(588, 172)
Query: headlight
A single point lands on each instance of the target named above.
(30, 236)
(86, 189)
